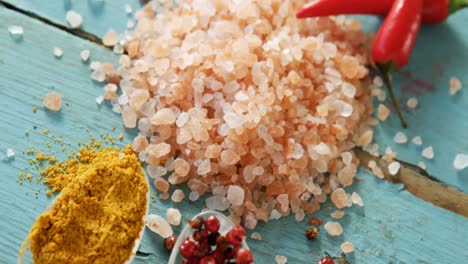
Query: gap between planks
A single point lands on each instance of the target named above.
(415, 180)
(74, 31)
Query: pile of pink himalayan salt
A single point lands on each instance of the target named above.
(242, 100)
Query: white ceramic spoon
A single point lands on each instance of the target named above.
(226, 225)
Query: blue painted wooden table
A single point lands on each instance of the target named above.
(393, 227)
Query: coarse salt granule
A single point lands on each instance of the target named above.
(10, 153)
(58, 53)
(281, 259)
(111, 38)
(173, 216)
(383, 112)
(422, 165)
(356, 198)
(74, 19)
(84, 54)
(338, 214)
(252, 100)
(455, 85)
(347, 247)
(417, 140)
(53, 101)
(461, 161)
(16, 31)
(333, 228)
(158, 225)
(412, 103)
(394, 167)
(428, 152)
(128, 8)
(256, 236)
(400, 138)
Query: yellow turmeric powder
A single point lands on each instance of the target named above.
(98, 215)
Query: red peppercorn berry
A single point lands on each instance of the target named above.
(212, 224)
(244, 256)
(187, 248)
(196, 223)
(326, 260)
(208, 260)
(200, 235)
(169, 243)
(235, 235)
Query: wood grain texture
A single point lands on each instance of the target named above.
(393, 227)
(98, 15)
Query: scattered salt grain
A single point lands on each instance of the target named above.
(53, 101)
(217, 203)
(412, 103)
(235, 195)
(338, 214)
(281, 259)
(376, 170)
(256, 236)
(178, 196)
(193, 196)
(356, 198)
(74, 19)
(455, 85)
(58, 53)
(383, 112)
(422, 165)
(275, 215)
(15, 31)
(173, 216)
(111, 38)
(333, 228)
(347, 157)
(85, 55)
(347, 247)
(428, 153)
(158, 225)
(400, 138)
(10, 153)
(417, 140)
(460, 162)
(339, 198)
(378, 81)
(394, 167)
(128, 8)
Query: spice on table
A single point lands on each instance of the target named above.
(169, 243)
(53, 101)
(98, 215)
(311, 233)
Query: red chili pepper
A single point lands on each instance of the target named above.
(395, 40)
(344, 7)
(434, 11)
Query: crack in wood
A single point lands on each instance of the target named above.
(74, 31)
(422, 185)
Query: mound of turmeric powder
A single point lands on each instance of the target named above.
(98, 215)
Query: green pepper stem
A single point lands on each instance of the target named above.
(388, 84)
(456, 5)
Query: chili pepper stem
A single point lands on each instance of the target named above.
(456, 5)
(386, 78)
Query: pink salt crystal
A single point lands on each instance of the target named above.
(204, 167)
(53, 101)
(182, 167)
(256, 236)
(400, 138)
(281, 259)
(173, 216)
(455, 85)
(158, 150)
(235, 195)
(139, 143)
(382, 112)
(111, 38)
(348, 89)
(422, 165)
(356, 198)
(333, 228)
(213, 151)
(299, 215)
(347, 157)
(339, 198)
(229, 157)
(249, 220)
(58, 53)
(84, 54)
(164, 116)
(412, 103)
(177, 196)
(161, 185)
(428, 153)
(248, 173)
(156, 171)
(347, 247)
(365, 138)
(283, 201)
(158, 225)
(164, 196)
(182, 119)
(417, 140)
(338, 214)
(138, 98)
(461, 161)
(129, 117)
(394, 167)
(74, 19)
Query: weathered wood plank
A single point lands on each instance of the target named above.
(393, 227)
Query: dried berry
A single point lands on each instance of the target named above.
(169, 243)
(311, 233)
